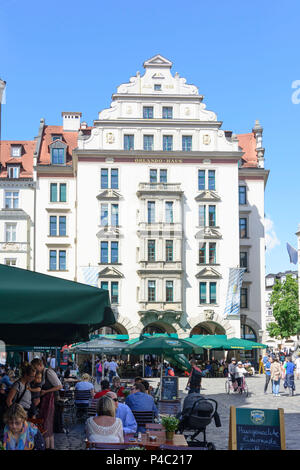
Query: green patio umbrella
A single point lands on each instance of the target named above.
(239, 343)
(36, 309)
(99, 346)
(210, 341)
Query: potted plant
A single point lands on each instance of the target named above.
(170, 423)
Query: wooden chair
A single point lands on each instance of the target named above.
(143, 417)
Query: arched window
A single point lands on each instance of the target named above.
(153, 329)
(248, 333)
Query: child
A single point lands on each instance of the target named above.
(35, 388)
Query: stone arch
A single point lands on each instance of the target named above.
(125, 326)
(168, 326)
(217, 324)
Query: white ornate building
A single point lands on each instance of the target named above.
(155, 202)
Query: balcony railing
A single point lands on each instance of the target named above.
(160, 187)
(14, 247)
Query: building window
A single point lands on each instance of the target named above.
(212, 253)
(104, 215)
(157, 87)
(167, 112)
(186, 143)
(129, 142)
(115, 215)
(16, 150)
(153, 176)
(151, 291)
(169, 250)
(148, 142)
(151, 250)
(206, 180)
(212, 292)
(61, 228)
(169, 291)
(243, 227)
(104, 285)
(167, 143)
(163, 176)
(114, 178)
(58, 156)
(13, 172)
(10, 261)
(57, 260)
(114, 252)
(244, 297)
(104, 178)
(11, 199)
(10, 233)
(148, 112)
(114, 293)
(104, 252)
(202, 253)
(212, 288)
(151, 212)
(54, 188)
(211, 180)
(202, 216)
(169, 212)
(211, 216)
(242, 195)
(202, 292)
(244, 259)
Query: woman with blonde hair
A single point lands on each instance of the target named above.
(275, 376)
(19, 434)
(105, 427)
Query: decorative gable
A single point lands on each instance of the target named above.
(110, 272)
(109, 233)
(208, 233)
(158, 61)
(208, 273)
(109, 194)
(207, 196)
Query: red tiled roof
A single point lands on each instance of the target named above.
(248, 144)
(69, 137)
(26, 159)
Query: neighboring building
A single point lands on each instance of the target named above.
(270, 282)
(17, 196)
(154, 202)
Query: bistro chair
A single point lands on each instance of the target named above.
(82, 408)
(92, 408)
(143, 417)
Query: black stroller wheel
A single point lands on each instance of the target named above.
(211, 446)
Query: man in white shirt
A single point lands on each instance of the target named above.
(53, 362)
(297, 363)
(106, 365)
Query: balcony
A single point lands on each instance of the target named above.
(160, 266)
(161, 310)
(160, 229)
(14, 247)
(159, 188)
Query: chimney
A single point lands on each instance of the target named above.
(71, 121)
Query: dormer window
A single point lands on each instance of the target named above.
(58, 150)
(157, 87)
(13, 172)
(16, 150)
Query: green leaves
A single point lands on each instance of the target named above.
(284, 300)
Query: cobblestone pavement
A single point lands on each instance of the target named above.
(215, 388)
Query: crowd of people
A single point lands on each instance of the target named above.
(280, 369)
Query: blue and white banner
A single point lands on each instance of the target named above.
(232, 306)
(90, 275)
(293, 254)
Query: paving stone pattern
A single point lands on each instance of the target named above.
(215, 388)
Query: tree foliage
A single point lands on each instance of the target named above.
(284, 300)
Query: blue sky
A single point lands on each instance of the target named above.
(243, 56)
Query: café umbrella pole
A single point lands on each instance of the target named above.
(161, 375)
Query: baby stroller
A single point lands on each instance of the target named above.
(196, 414)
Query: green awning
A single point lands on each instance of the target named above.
(36, 309)
(240, 343)
(209, 341)
(161, 346)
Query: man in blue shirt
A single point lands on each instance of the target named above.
(289, 377)
(125, 414)
(267, 366)
(139, 400)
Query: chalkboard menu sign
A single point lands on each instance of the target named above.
(256, 429)
(169, 388)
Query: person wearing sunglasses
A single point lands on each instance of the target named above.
(125, 414)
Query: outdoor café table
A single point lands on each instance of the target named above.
(178, 440)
